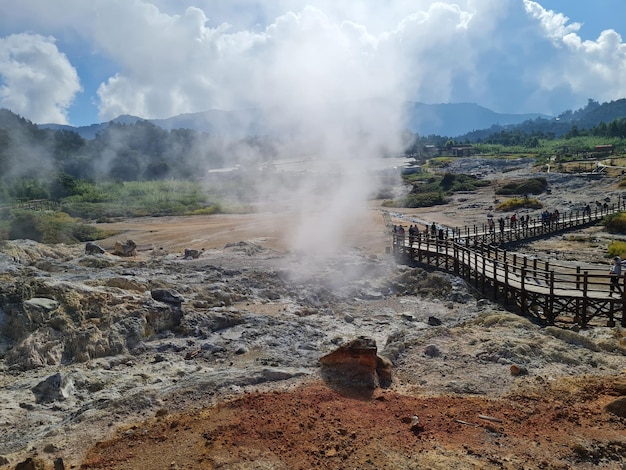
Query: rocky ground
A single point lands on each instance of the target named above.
(161, 361)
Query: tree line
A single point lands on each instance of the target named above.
(44, 163)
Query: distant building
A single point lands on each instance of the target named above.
(462, 150)
(608, 149)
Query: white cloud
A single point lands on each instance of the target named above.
(555, 25)
(586, 69)
(36, 80)
(176, 56)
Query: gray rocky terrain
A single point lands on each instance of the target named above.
(93, 341)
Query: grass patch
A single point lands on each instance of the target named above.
(52, 227)
(508, 320)
(139, 199)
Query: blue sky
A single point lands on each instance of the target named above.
(82, 62)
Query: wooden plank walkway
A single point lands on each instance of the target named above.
(549, 293)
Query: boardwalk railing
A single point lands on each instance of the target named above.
(548, 292)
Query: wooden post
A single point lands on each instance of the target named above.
(583, 314)
(506, 282)
(484, 270)
(550, 300)
(523, 290)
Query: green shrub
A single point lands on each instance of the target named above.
(422, 200)
(519, 203)
(617, 248)
(52, 227)
(527, 186)
(615, 223)
(432, 190)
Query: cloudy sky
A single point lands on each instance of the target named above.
(87, 61)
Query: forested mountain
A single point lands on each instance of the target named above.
(130, 149)
(592, 115)
(461, 121)
(31, 157)
(423, 119)
(458, 118)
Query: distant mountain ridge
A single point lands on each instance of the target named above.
(424, 119)
(445, 119)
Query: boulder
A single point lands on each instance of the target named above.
(191, 254)
(30, 464)
(129, 248)
(169, 296)
(358, 363)
(92, 248)
(617, 407)
(56, 387)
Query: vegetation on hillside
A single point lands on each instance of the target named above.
(142, 169)
(431, 190)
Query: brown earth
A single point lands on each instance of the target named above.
(561, 425)
(555, 423)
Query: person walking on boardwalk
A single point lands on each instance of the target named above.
(616, 275)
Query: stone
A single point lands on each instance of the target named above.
(191, 254)
(4, 460)
(432, 351)
(129, 248)
(358, 363)
(434, 321)
(56, 387)
(518, 370)
(30, 464)
(50, 449)
(169, 296)
(617, 407)
(92, 248)
(58, 464)
(39, 309)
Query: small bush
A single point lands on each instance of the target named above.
(528, 186)
(423, 200)
(617, 248)
(519, 203)
(52, 227)
(616, 223)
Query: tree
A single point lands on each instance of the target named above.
(63, 185)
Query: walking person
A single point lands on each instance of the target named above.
(616, 275)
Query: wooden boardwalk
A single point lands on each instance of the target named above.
(550, 293)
